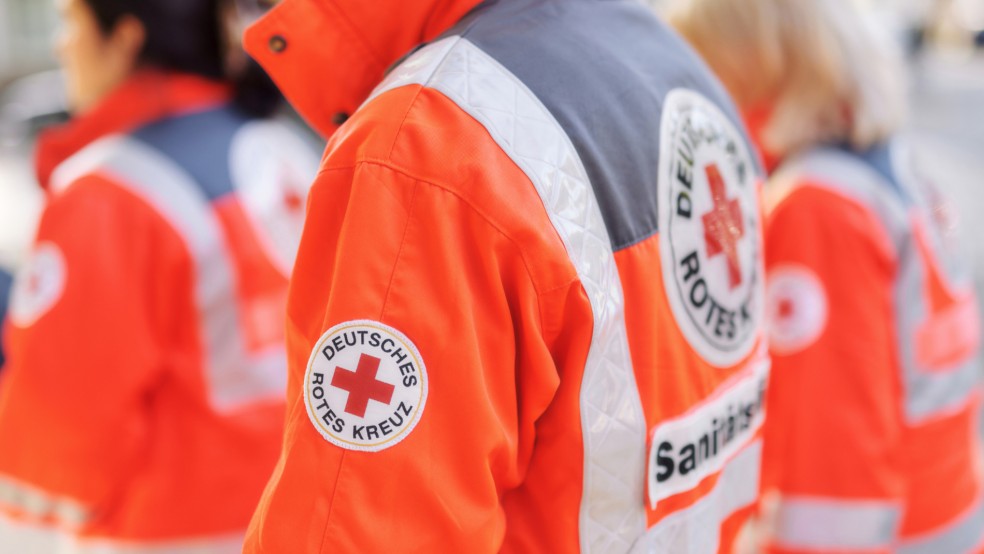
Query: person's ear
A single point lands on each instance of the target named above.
(128, 38)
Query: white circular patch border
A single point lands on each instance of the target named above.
(677, 102)
(47, 271)
(800, 284)
(421, 371)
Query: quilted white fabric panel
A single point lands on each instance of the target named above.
(612, 512)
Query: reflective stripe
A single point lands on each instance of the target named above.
(966, 534)
(846, 176)
(824, 524)
(35, 503)
(23, 538)
(694, 530)
(930, 392)
(612, 510)
(235, 377)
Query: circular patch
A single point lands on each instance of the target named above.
(39, 285)
(709, 222)
(796, 308)
(365, 386)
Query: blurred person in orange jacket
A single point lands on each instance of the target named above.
(526, 314)
(872, 442)
(141, 406)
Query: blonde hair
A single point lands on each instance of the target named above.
(825, 72)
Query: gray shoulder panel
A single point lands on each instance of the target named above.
(603, 69)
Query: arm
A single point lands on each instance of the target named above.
(83, 356)
(419, 261)
(834, 417)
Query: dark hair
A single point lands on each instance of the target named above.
(188, 36)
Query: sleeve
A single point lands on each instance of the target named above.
(409, 418)
(82, 357)
(834, 419)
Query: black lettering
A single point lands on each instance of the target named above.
(689, 461)
(318, 392)
(403, 408)
(328, 416)
(319, 379)
(684, 205)
(704, 447)
(665, 463)
(715, 308)
(372, 431)
(685, 175)
(362, 336)
(407, 368)
(399, 356)
(410, 381)
(385, 428)
(692, 263)
(698, 300)
(686, 150)
(338, 344)
(357, 432)
(399, 420)
(339, 425)
(346, 337)
(749, 411)
(328, 352)
(391, 345)
(374, 340)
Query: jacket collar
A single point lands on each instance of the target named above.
(145, 97)
(328, 55)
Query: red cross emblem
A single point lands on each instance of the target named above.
(723, 225)
(362, 385)
(786, 309)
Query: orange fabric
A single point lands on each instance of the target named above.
(373, 217)
(356, 42)
(261, 288)
(836, 428)
(104, 402)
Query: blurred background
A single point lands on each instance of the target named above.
(944, 41)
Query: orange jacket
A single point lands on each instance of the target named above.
(526, 310)
(141, 405)
(871, 444)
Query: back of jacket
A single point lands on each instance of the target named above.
(526, 312)
(872, 441)
(141, 407)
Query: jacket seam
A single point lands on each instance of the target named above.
(399, 253)
(390, 166)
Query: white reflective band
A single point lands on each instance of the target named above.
(22, 538)
(38, 504)
(612, 507)
(848, 177)
(694, 530)
(965, 534)
(235, 377)
(823, 524)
